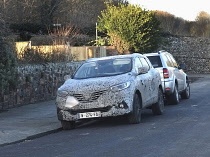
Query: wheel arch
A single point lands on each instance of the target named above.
(187, 78)
(176, 83)
(139, 95)
(161, 87)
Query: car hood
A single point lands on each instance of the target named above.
(94, 84)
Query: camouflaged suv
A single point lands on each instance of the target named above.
(110, 86)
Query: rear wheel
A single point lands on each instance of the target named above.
(68, 125)
(174, 97)
(158, 107)
(186, 93)
(135, 116)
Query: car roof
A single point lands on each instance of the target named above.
(115, 56)
(156, 53)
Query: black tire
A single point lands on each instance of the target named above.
(68, 125)
(135, 116)
(158, 107)
(186, 93)
(174, 97)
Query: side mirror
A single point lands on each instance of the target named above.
(142, 70)
(182, 66)
(66, 77)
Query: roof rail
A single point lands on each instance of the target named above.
(161, 51)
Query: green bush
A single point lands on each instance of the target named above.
(8, 71)
(130, 28)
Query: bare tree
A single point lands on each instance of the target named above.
(202, 25)
(63, 35)
(166, 21)
(171, 24)
(47, 11)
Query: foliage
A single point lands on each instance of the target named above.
(35, 16)
(171, 24)
(8, 73)
(3, 27)
(63, 35)
(101, 41)
(27, 27)
(130, 27)
(201, 27)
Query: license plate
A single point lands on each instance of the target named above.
(89, 115)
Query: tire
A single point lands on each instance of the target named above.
(158, 107)
(186, 93)
(174, 97)
(68, 125)
(135, 116)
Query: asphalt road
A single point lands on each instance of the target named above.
(183, 131)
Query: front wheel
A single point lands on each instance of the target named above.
(135, 116)
(158, 107)
(68, 125)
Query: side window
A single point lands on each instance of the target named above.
(145, 64)
(149, 63)
(174, 61)
(137, 63)
(167, 60)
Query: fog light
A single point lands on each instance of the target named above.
(121, 106)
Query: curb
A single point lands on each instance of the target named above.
(33, 137)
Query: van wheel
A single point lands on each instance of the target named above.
(174, 97)
(135, 116)
(186, 93)
(68, 125)
(158, 107)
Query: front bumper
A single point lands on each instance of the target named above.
(112, 111)
(109, 104)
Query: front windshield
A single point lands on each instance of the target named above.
(103, 68)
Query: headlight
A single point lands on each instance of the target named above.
(62, 93)
(121, 86)
(71, 102)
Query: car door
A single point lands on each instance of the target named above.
(154, 80)
(179, 73)
(143, 82)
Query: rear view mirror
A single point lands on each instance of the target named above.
(142, 70)
(182, 66)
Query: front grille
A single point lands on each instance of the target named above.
(102, 109)
(88, 97)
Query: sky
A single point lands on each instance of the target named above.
(186, 9)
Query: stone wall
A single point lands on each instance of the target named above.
(193, 52)
(37, 83)
(40, 82)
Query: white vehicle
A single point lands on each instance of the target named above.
(110, 86)
(174, 80)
